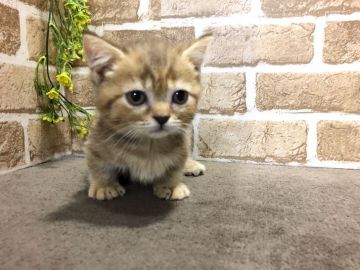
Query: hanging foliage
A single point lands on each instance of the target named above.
(66, 22)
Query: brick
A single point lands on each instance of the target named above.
(338, 141)
(272, 44)
(192, 8)
(113, 11)
(321, 92)
(12, 149)
(17, 90)
(83, 93)
(253, 140)
(155, 9)
(174, 35)
(342, 42)
(36, 35)
(46, 139)
(78, 145)
(289, 8)
(223, 93)
(40, 4)
(10, 30)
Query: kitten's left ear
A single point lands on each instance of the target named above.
(196, 51)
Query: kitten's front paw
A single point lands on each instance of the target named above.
(162, 192)
(109, 191)
(165, 192)
(181, 191)
(193, 168)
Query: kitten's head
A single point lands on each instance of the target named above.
(149, 89)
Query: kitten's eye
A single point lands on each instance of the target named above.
(136, 97)
(180, 97)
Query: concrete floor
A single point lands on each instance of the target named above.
(238, 217)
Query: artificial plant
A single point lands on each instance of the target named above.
(66, 22)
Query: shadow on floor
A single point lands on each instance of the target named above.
(138, 208)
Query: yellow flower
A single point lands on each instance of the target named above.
(81, 52)
(74, 56)
(82, 132)
(49, 118)
(46, 117)
(82, 18)
(57, 120)
(53, 94)
(71, 4)
(64, 79)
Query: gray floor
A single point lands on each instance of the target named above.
(238, 217)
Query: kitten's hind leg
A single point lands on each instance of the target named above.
(104, 185)
(171, 189)
(193, 168)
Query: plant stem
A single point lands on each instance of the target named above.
(47, 43)
(67, 35)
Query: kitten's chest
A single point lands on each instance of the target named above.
(148, 165)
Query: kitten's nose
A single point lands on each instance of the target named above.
(161, 119)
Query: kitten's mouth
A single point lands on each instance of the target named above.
(160, 131)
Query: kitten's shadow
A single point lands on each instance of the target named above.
(139, 207)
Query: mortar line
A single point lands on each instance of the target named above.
(311, 141)
(97, 29)
(330, 164)
(141, 25)
(315, 68)
(278, 115)
(199, 29)
(144, 10)
(18, 59)
(318, 41)
(355, 16)
(251, 19)
(270, 115)
(256, 10)
(250, 81)
(22, 53)
(25, 123)
(23, 7)
(18, 117)
(237, 19)
(195, 122)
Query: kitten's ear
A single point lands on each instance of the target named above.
(100, 56)
(196, 51)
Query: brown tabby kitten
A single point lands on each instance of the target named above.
(146, 98)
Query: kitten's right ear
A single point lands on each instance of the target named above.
(196, 51)
(100, 56)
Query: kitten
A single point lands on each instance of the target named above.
(146, 98)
